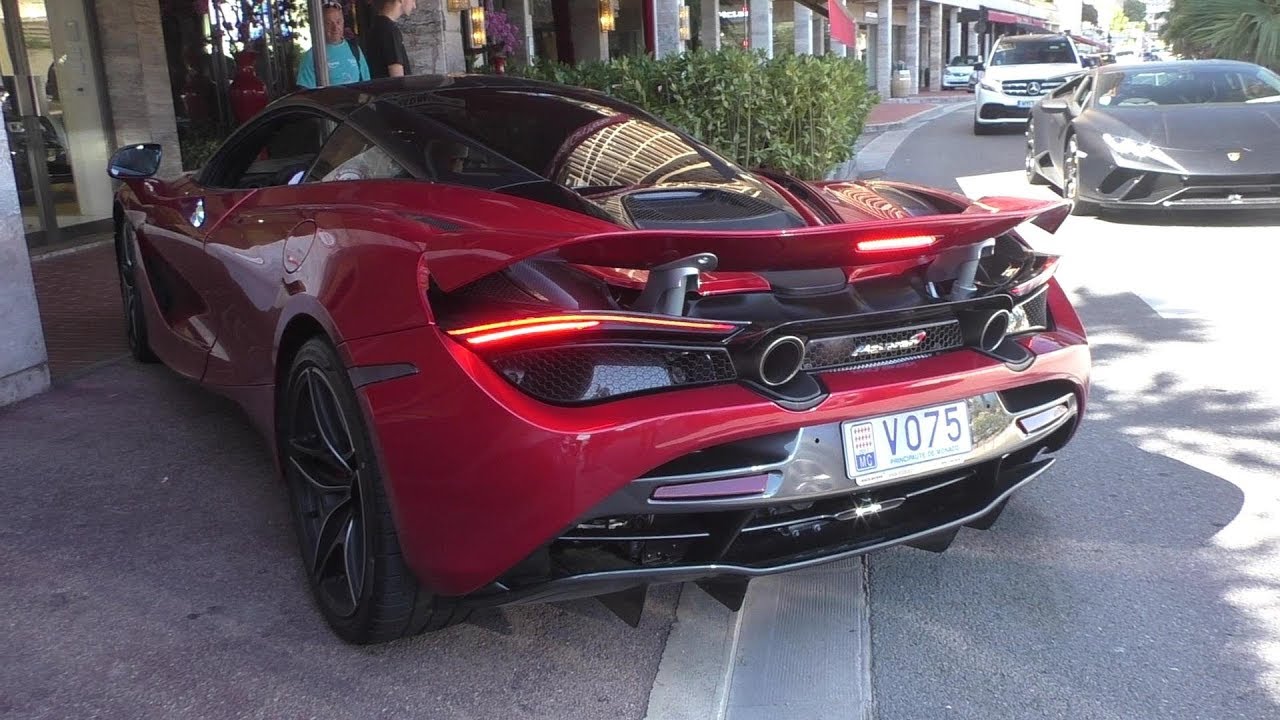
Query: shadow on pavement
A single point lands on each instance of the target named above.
(1113, 587)
(150, 572)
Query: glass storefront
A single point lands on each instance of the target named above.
(54, 120)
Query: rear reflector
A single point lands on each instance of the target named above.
(731, 487)
(899, 243)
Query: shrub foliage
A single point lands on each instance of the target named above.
(796, 113)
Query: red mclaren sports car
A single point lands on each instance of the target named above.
(515, 342)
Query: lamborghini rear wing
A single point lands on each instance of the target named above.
(456, 259)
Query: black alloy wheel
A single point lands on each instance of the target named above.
(1030, 165)
(1071, 179)
(349, 547)
(135, 319)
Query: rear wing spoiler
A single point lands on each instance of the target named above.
(456, 259)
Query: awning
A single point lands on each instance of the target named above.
(1008, 18)
(1088, 41)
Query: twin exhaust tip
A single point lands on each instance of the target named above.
(985, 329)
(778, 361)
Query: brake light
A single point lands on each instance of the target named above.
(492, 332)
(898, 243)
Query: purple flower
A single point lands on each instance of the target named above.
(502, 33)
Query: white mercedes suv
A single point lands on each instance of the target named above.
(1018, 72)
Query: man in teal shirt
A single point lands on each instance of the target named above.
(346, 62)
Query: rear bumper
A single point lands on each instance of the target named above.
(482, 478)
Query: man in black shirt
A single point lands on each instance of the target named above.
(383, 43)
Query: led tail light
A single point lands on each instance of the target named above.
(898, 243)
(569, 323)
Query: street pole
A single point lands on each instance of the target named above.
(319, 52)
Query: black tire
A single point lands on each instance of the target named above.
(980, 129)
(135, 319)
(1071, 179)
(348, 543)
(1029, 163)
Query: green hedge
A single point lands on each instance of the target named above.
(797, 113)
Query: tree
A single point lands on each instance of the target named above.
(1246, 30)
(1089, 13)
(1135, 10)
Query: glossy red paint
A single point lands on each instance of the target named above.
(462, 528)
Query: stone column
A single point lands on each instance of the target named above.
(138, 90)
(519, 12)
(709, 32)
(666, 21)
(433, 38)
(838, 48)
(913, 44)
(24, 362)
(588, 42)
(761, 26)
(884, 48)
(935, 46)
(804, 29)
(957, 42)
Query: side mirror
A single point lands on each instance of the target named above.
(135, 161)
(979, 67)
(1053, 105)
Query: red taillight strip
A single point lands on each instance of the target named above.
(898, 243)
(489, 332)
(528, 330)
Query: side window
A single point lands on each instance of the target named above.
(1085, 92)
(349, 155)
(275, 152)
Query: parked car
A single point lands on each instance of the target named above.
(514, 342)
(1184, 134)
(959, 71)
(1020, 70)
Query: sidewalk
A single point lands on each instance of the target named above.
(80, 307)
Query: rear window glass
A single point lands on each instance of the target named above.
(579, 143)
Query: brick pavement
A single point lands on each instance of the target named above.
(80, 308)
(896, 112)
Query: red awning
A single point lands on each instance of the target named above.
(997, 16)
(1087, 41)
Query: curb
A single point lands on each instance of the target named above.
(920, 117)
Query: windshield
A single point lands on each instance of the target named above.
(964, 60)
(1032, 52)
(1188, 86)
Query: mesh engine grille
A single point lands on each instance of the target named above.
(1038, 310)
(582, 373)
(875, 347)
(695, 206)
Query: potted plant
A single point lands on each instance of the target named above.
(504, 37)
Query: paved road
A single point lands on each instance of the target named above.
(1140, 577)
(148, 570)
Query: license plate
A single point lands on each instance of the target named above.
(1026, 103)
(909, 443)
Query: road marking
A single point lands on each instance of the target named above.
(804, 647)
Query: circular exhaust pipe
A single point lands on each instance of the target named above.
(780, 360)
(985, 330)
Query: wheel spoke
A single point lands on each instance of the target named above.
(331, 535)
(327, 428)
(353, 557)
(316, 479)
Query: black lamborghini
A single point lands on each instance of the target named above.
(1185, 134)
